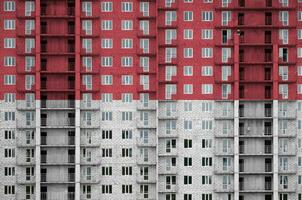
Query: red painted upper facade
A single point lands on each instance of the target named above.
(173, 49)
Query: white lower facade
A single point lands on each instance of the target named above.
(156, 150)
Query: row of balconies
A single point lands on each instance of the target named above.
(69, 104)
(244, 150)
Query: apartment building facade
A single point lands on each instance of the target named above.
(151, 99)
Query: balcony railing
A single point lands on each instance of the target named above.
(57, 160)
(57, 104)
(57, 195)
(57, 179)
(67, 122)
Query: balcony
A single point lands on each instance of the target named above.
(23, 105)
(57, 196)
(93, 179)
(146, 142)
(173, 133)
(167, 114)
(57, 160)
(89, 105)
(244, 150)
(150, 105)
(58, 142)
(57, 105)
(23, 179)
(57, 123)
(149, 124)
(162, 152)
(52, 178)
(167, 188)
(24, 161)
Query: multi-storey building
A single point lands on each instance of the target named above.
(151, 99)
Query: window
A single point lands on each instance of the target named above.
(207, 71)
(206, 197)
(206, 125)
(207, 52)
(188, 52)
(106, 6)
(9, 189)
(127, 97)
(127, 79)
(106, 61)
(207, 89)
(9, 153)
(9, 171)
(87, 27)
(188, 34)
(9, 61)
(87, 8)
(170, 16)
(206, 106)
(225, 17)
(188, 89)
(106, 189)
(144, 8)
(126, 171)
(144, 26)
(29, 26)
(106, 25)
(299, 34)
(188, 16)
(127, 6)
(87, 63)
(207, 16)
(106, 116)
(127, 44)
(127, 189)
(29, 7)
(9, 6)
(9, 24)
(127, 61)
(127, 25)
(299, 52)
(87, 45)
(126, 116)
(106, 134)
(187, 180)
(107, 153)
(206, 180)
(126, 152)
(187, 143)
(9, 97)
(187, 161)
(188, 70)
(9, 135)
(283, 17)
(299, 88)
(107, 97)
(107, 80)
(126, 134)
(188, 106)
(9, 43)
(187, 125)
(207, 34)
(9, 79)
(206, 161)
(299, 16)
(107, 43)
(106, 171)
